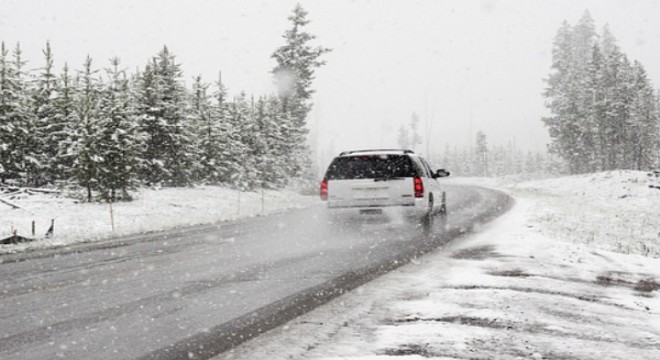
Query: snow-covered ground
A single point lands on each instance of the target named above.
(152, 209)
(571, 272)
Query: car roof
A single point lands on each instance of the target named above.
(377, 152)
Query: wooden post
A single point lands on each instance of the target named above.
(263, 202)
(112, 218)
(238, 207)
(33, 228)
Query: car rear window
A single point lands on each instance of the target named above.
(370, 167)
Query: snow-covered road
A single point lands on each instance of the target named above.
(514, 290)
(193, 292)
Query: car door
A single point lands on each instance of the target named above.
(434, 184)
(427, 180)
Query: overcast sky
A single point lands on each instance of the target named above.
(461, 65)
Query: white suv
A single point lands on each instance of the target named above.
(378, 181)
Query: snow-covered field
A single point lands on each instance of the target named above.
(571, 272)
(152, 209)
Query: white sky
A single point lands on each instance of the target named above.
(463, 65)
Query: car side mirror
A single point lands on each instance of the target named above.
(441, 173)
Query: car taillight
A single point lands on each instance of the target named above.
(324, 190)
(419, 187)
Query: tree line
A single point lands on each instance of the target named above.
(485, 160)
(605, 113)
(108, 131)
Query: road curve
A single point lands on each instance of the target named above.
(196, 292)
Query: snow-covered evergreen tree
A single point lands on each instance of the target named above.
(12, 124)
(560, 124)
(644, 120)
(63, 130)
(86, 144)
(269, 143)
(168, 147)
(210, 132)
(179, 149)
(481, 158)
(118, 138)
(274, 166)
(403, 137)
(583, 40)
(151, 165)
(29, 148)
(85, 138)
(243, 139)
(297, 61)
(49, 129)
(415, 137)
(616, 119)
(226, 138)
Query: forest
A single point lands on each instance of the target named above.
(108, 131)
(605, 111)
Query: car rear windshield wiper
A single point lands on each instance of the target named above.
(386, 178)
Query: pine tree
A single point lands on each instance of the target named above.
(561, 104)
(481, 155)
(243, 139)
(570, 100)
(85, 140)
(179, 150)
(209, 132)
(17, 133)
(592, 138)
(11, 126)
(645, 121)
(118, 136)
(63, 130)
(530, 163)
(498, 161)
(297, 61)
(49, 129)
(584, 38)
(270, 158)
(275, 165)
(415, 138)
(621, 78)
(226, 138)
(403, 137)
(151, 166)
(28, 148)
(168, 136)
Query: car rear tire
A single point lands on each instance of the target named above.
(427, 219)
(443, 205)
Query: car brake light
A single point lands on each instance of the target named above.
(324, 190)
(419, 187)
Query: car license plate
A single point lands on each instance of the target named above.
(370, 193)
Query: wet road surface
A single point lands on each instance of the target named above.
(195, 292)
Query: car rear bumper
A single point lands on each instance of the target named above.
(411, 210)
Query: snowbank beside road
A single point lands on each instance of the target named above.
(615, 211)
(151, 210)
(528, 286)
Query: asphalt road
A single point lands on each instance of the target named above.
(195, 292)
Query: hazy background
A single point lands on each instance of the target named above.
(463, 66)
